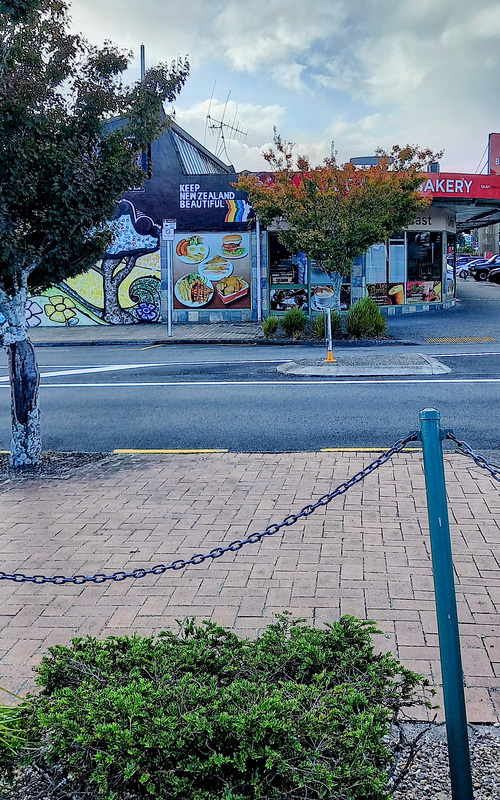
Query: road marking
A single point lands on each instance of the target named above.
(170, 452)
(342, 382)
(462, 355)
(459, 339)
(151, 346)
(366, 449)
(87, 370)
(62, 371)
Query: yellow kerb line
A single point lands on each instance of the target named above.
(168, 452)
(151, 346)
(365, 449)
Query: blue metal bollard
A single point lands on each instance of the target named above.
(431, 435)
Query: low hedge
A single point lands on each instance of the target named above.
(297, 713)
(364, 320)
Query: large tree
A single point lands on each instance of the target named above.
(62, 170)
(336, 212)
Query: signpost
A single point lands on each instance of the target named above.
(167, 240)
(329, 359)
(324, 298)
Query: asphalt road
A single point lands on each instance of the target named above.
(111, 398)
(231, 397)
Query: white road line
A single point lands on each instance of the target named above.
(462, 355)
(60, 371)
(341, 382)
(116, 367)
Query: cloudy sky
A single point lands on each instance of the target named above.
(362, 73)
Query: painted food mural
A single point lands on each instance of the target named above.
(220, 271)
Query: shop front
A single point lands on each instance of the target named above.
(408, 273)
(413, 271)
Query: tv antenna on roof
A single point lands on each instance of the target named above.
(223, 129)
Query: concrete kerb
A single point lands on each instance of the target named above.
(242, 342)
(358, 365)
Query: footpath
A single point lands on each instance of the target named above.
(366, 554)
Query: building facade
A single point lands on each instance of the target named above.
(188, 248)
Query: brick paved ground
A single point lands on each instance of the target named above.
(367, 555)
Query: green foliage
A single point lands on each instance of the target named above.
(299, 712)
(11, 737)
(334, 213)
(10, 727)
(466, 250)
(270, 326)
(294, 322)
(318, 325)
(62, 168)
(365, 320)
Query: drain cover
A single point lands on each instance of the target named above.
(460, 339)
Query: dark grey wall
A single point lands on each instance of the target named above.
(160, 198)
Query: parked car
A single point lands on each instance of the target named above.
(480, 272)
(464, 269)
(494, 275)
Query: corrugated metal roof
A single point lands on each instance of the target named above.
(194, 159)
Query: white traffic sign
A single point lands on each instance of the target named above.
(168, 229)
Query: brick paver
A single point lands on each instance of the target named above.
(367, 555)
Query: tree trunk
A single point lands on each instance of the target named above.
(113, 312)
(26, 444)
(336, 279)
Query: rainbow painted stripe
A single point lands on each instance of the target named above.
(238, 210)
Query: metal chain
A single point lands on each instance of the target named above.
(468, 451)
(217, 552)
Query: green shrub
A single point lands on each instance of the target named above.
(11, 738)
(365, 319)
(203, 715)
(294, 322)
(318, 326)
(270, 326)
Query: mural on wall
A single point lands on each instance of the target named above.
(123, 288)
(212, 270)
(135, 235)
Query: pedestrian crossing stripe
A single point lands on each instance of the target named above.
(459, 339)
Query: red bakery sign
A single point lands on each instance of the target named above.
(494, 153)
(461, 187)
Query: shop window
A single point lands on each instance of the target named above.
(288, 280)
(425, 260)
(397, 259)
(282, 270)
(294, 282)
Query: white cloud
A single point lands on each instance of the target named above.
(363, 73)
(289, 76)
(264, 32)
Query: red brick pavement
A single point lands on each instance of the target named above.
(367, 555)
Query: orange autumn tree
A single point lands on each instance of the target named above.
(335, 212)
